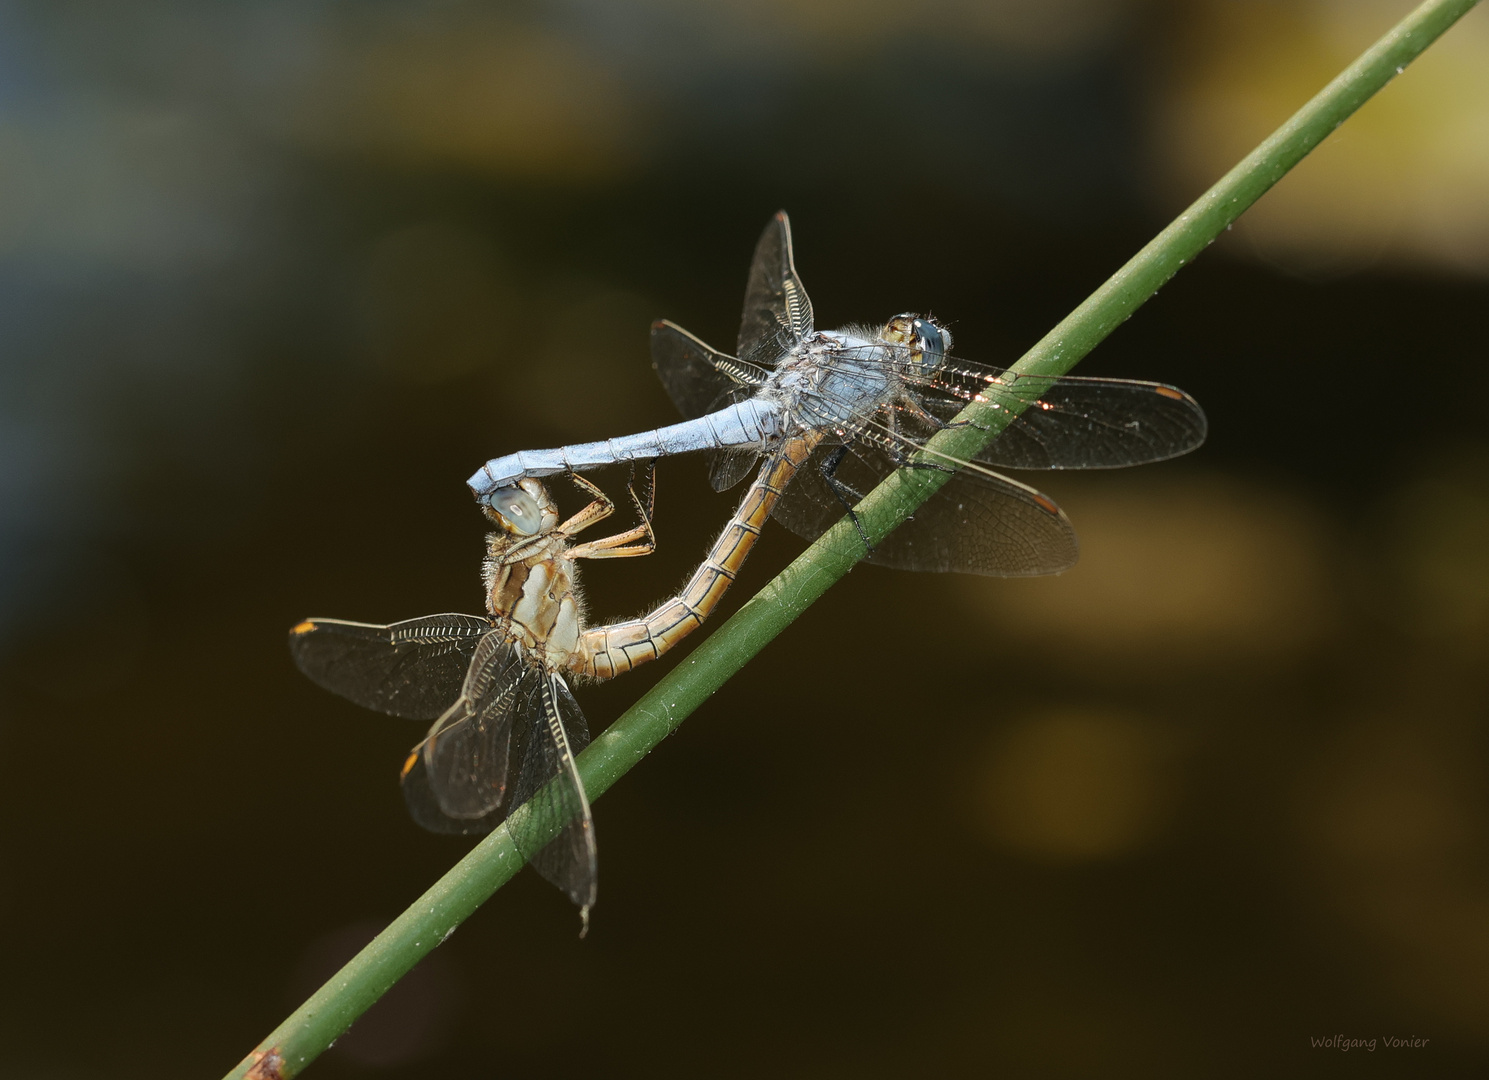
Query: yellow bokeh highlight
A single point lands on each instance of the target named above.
(1405, 180)
(1076, 785)
(488, 93)
(1175, 571)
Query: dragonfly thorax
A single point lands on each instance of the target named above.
(533, 586)
(830, 377)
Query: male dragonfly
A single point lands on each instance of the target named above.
(865, 400)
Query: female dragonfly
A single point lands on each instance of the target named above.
(506, 730)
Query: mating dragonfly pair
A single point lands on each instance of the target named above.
(834, 411)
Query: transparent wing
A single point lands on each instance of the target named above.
(556, 834)
(455, 781)
(424, 807)
(411, 669)
(777, 313)
(979, 523)
(1069, 422)
(693, 374)
(728, 467)
(697, 380)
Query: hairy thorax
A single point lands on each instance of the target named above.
(834, 378)
(533, 588)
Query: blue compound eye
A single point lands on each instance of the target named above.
(934, 341)
(518, 509)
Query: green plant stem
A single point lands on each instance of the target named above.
(431, 918)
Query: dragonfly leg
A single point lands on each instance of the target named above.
(909, 405)
(625, 545)
(600, 507)
(894, 448)
(644, 507)
(929, 419)
(891, 441)
(934, 422)
(842, 492)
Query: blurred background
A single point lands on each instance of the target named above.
(276, 277)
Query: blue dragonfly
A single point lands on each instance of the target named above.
(864, 400)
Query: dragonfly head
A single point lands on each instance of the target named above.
(523, 509)
(928, 341)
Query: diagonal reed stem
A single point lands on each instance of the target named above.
(431, 918)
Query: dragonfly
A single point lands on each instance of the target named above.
(506, 729)
(864, 400)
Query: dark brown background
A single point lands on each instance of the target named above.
(275, 278)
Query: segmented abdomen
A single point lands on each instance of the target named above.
(606, 651)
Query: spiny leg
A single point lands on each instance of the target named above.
(894, 444)
(623, 545)
(600, 507)
(894, 447)
(844, 494)
(646, 507)
(931, 420)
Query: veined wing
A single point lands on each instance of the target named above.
(1068, 422)
(555, 833)
(455, 781)
(979, 523)
(698, 378)
(728, 467)
(777, 313)
(411, 669)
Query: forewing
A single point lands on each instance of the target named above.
(555, 833)
(979, 523)
(412, 668)
(777, 312)
(692, 372)
(1070, 422)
